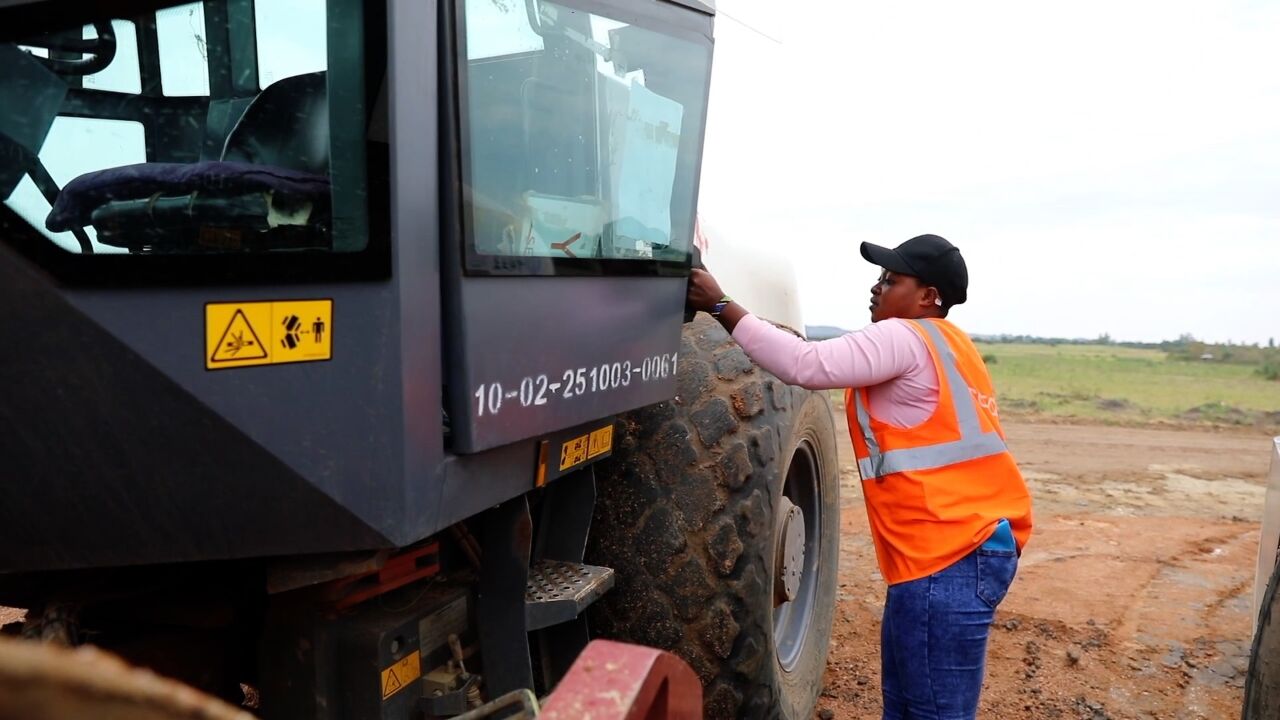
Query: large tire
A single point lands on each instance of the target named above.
(686, 516)
(1262, 684)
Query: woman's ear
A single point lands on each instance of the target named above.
(930, 297)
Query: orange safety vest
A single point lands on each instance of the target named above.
(935, 492)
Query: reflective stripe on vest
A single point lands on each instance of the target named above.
(973, 443)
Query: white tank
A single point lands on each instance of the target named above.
(1270, 540)
(760, 279)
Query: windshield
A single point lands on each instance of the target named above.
(582, 136)
(199, 128)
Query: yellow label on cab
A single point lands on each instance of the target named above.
(573, 452)
(401, 675)
(601, 442)
(267, 333)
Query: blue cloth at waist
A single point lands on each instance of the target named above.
(1002, 538)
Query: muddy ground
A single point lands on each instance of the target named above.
(1133, 599)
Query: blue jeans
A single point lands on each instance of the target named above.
(933, 640)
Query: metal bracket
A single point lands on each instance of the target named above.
(522, 699)
(506, 537)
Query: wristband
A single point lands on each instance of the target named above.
(720, 306)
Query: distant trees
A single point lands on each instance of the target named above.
(1265, 359)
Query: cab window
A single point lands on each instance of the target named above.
(200, 128)
(582, 132)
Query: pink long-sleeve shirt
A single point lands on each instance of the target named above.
(888, 358)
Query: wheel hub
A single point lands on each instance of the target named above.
(789, 553)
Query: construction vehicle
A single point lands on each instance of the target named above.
(346, 368)
(1262, 684)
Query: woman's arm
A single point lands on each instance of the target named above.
(876, 354)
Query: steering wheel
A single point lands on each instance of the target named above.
(100, 50)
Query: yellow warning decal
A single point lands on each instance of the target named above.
(573, 452)
(601, 442)
(584, 447)
(239, 342)
(401, 675)
(267, 333)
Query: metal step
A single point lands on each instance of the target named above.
(559, 591)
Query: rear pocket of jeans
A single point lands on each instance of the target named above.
(996, 569)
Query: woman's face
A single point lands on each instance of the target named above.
(896, 296)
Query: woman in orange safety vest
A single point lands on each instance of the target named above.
(948, 508)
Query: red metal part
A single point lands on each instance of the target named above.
(564, 246)
(617, 681)
(399, 570)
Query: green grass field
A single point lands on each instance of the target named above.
(1103, 382)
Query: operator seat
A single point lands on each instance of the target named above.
(287, 126)
(269, 190)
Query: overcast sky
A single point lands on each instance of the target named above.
(1106, 167)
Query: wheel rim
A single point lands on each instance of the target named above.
(791, 620)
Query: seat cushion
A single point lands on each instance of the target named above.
(78, 200)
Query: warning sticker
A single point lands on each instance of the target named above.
(401, 675)
(267, 333)
(239, 341)
(601, 442)
(573, 452)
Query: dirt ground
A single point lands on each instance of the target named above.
(1133, 599)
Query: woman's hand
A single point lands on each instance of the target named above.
(704, 292)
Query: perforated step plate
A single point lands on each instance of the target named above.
(559, 591)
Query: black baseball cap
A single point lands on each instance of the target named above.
(930, 258)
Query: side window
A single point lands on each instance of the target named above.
(291, 39)
(205, 160)
(184, 54)
(120, 73)
(119, 142)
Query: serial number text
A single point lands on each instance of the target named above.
(536, 390)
